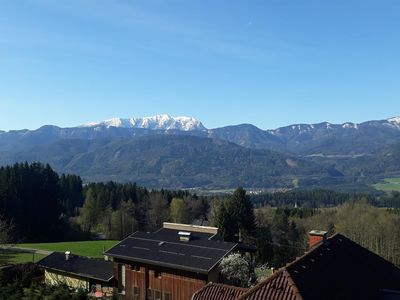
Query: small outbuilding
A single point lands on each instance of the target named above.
(78, 272)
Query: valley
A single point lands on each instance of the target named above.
(180, 152)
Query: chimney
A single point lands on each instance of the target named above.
(184, 236)
(67, 253)
(317, 236)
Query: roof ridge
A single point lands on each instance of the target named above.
(226, 254)
(311, 250)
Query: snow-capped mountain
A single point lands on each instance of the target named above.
(347, 149)
(394, 121)
(160, 122)
(326, 126)
(297, 139)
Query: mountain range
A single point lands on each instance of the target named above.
(171, 152)
(164, 122)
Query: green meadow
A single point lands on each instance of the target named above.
(388, 184)
(11, 257)
(85, 248)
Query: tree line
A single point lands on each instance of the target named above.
(116, 210)
(375, 228)
(34, 200)
(40, 205)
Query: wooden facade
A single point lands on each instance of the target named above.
(147, 282)
(171, 263)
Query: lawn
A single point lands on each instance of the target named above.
(388, 184)
(84, 248)
(262, 273)
(10, 257)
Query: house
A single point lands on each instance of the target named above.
(171, 263)
(77, 271)
(334, 268)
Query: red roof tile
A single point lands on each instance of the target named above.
(216, 291)
(278, 286)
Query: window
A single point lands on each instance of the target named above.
(136, 293)
(135, 268)
(122, 278)
(157, 295)
(154, 294)
(167, 296)
(156, 274)
(150, 294)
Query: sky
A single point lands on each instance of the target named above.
(270, 63)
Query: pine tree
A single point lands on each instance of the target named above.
(243, 211)
(235, 217)
(226, 222)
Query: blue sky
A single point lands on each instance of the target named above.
(266, 62)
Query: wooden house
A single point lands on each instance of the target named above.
(169, 264)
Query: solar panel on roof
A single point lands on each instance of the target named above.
(164, 247)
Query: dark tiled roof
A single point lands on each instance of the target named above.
(340, 269)
(216, 291)
(164, 248)
(82, 266)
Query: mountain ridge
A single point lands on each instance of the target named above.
(345, 152)
(187, 123)
(164, 122)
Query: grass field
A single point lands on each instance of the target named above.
(388, 184)
(262, 273)
(84, 248)
(9, 257)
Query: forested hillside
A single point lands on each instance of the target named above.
(172, 161)
(344, 156)
(33, 198)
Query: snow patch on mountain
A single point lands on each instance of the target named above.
(161, 122)
(395, 121)
(350, 125)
